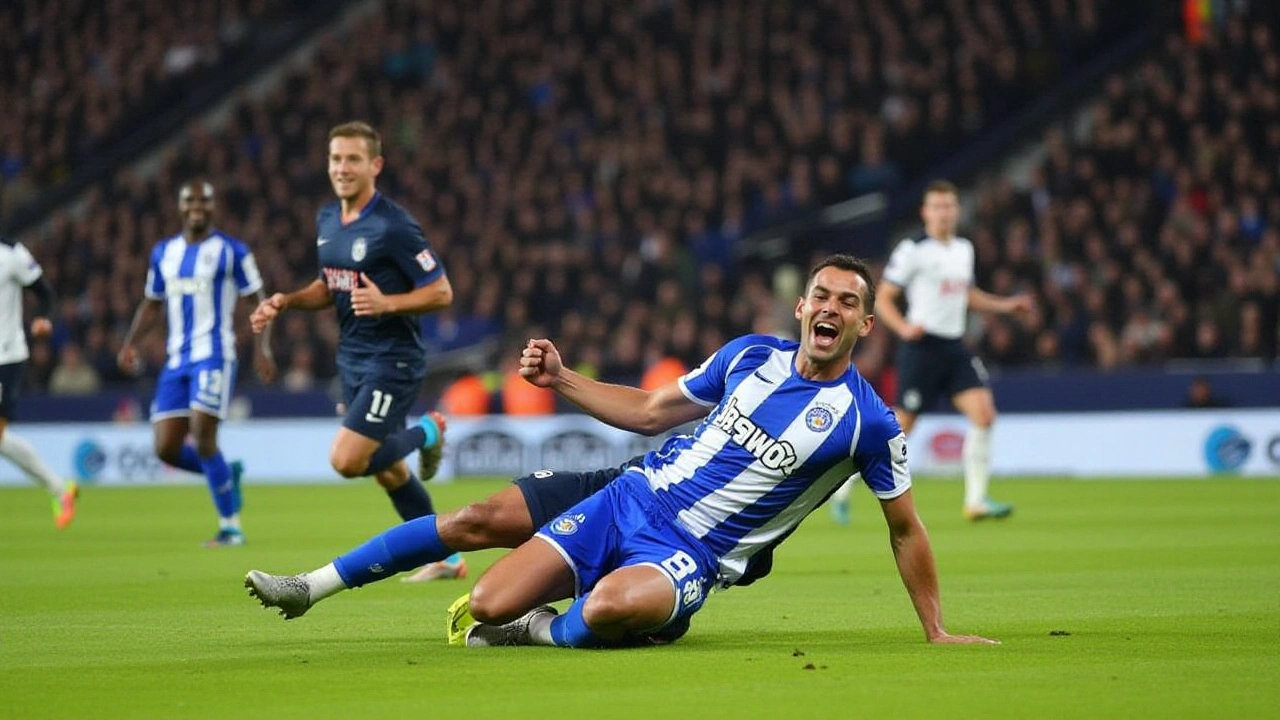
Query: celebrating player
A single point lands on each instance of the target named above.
(786, 424)
(936, 273)
(379, 272)
(19, 270)
(198, 275)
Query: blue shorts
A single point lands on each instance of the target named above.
(378, 401)
(622, 526)
(204, 386)
(935, 368)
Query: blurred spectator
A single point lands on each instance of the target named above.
(300, 375)
(466, 396)
(72, 376)
(1200, 395)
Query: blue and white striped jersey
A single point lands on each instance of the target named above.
(773, 448)
(200, 283)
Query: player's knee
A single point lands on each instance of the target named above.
(612, 606)
(489, 606)
(348, 465)
(168, 451)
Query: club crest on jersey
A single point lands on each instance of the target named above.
(819, 418)
(568, 524)
(774, 454)
(358, 249)
(426, 260)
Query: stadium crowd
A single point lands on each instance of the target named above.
(1154, 234)
(79, 75)
(586, 169)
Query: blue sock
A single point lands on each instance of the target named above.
(411, 499)
(570, 630)
(190, 461)
(395, 447)
(403, 547)
(218, 474)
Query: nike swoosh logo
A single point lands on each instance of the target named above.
(321, 241)
(767, 380)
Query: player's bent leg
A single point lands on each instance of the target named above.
(629, 599)
(978, 405)
(500, 520)
(222, 483)
(532, 574)
(170, 436)
(349, 455)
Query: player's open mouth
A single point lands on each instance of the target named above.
(825, 334)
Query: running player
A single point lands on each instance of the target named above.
(935, 272)
(18, 270)
(378, 271)
(197, 275)
(786, 424)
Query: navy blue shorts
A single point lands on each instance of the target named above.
(933, 369)
(378, 401)
(10, 388)
(548, 493)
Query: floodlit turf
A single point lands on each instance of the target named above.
(1127, 599)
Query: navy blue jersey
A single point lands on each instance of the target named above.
(388, 245)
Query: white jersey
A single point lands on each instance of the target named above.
(936, 277)
(773, 448)
(200, 283)
(17, 270)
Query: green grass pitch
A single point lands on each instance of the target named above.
(1118, 599)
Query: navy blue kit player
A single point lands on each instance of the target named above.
(379, 272)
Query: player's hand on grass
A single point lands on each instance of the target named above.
(540, 363)
(266, 311)
(41, 327)
(946, 638)
(912, 332)
(368, 299)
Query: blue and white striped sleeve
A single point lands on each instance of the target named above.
(881, 454)
(705, 384)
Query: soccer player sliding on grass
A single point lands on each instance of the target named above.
(786, 424)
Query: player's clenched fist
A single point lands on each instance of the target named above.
(540, 363)
(266, 311)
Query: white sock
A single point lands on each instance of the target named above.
(843, 492)
(324, 582)
(229, 523)
(21, 453)
(977, 465)
(540, 629)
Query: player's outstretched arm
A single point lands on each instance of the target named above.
(628, 408)
(312, 297)
(911, 550)
(888, 313)
(983, 301)
(264, 362)
(143, 319)
(368, 299)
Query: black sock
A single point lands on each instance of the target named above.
(395, 447)
(411, 499)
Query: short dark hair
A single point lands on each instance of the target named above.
(940, 186)
(360, 129)
(845, 261)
